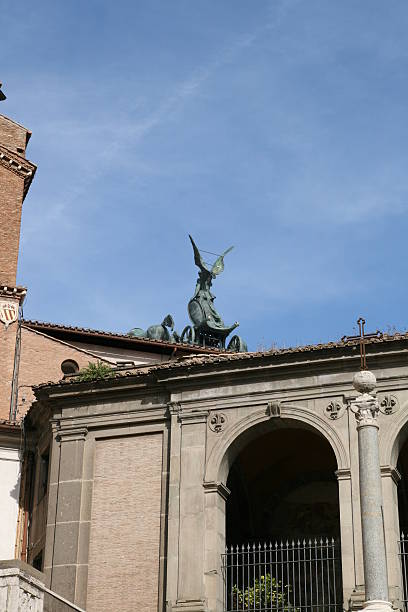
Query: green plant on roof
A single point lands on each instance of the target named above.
(95, 371)
(266, 593)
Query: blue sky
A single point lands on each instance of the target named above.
(277, 126)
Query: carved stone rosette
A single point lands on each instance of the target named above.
(388, 404)
(334, 410)
(217, 421)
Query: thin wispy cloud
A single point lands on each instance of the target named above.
(277, 126)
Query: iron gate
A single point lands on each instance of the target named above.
(295, 576)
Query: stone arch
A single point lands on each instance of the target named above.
(394, 437)
(228, 446)
(251, 426)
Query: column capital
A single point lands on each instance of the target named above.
(366, 409)
(69, 435)
(174, 407)
(343, 474)
(217, 487)
(193, 417)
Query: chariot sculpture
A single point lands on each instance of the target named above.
(208, 328)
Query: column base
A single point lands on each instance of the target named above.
(377, 605)
(189, 605)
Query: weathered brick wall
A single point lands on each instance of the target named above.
(125, 525)
(40, 361)
(11, 200)
(13, 136)
(7, 344)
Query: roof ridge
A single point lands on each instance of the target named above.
(204, 359)
(109, 334)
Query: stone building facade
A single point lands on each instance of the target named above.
(153, 472)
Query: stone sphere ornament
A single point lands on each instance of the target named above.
(364, 381)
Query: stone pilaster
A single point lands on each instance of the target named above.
(216, 494)
(390, 478)
(65, 530)
(190, 586)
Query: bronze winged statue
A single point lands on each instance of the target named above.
(206, 320)
(206, 276)
(208, 328)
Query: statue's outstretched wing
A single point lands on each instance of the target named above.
(197, 257)
(218, 266)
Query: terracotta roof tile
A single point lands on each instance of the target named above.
(197, 360)
(85, 331)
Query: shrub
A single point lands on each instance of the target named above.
(266, 591)
(95, 371)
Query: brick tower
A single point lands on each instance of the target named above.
(16, 174)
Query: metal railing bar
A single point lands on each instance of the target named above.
(287, 575)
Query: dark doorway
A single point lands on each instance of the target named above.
(283, 484)
(402, 467)
(283, 525)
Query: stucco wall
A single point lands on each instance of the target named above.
(40, 361)
(9, 491)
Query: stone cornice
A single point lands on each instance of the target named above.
(18, 293)
(176, 377)
(19, 165)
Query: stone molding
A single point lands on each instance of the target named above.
(19, 165)
(70, 435)
(343, 474)
(391, 472)
(191, 605)
(174, 407)
(289, 412)
(357, 599)
(193, 417)
(217, 487)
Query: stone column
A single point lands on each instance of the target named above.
(190, 587)
(366, 409)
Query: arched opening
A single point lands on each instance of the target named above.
(402, 467)
(402, 494)
(283, 524)
(69, 366)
